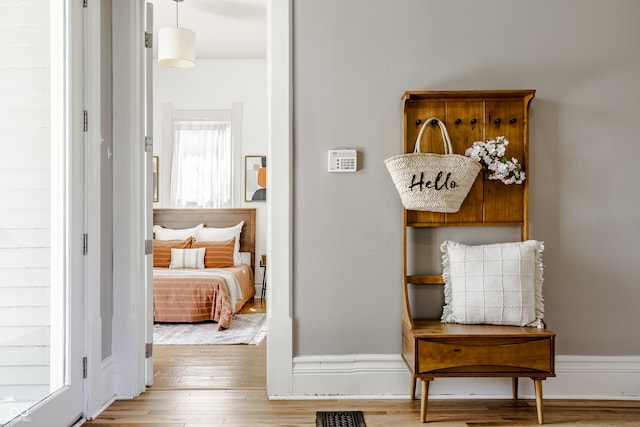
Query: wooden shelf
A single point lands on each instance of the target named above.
(430, 328)
(425, 280)
(418, 224)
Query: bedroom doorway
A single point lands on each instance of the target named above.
(213, 86)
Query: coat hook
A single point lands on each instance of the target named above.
(434, 122)
(497, 121)
(512, 121)
(474, 121)
(458, 121)
(418, 121)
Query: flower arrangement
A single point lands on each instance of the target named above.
(491, 154)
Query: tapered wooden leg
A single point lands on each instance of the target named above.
(423, 401)
(539, 407)
(514, 386)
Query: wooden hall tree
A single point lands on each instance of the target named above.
(432, 349)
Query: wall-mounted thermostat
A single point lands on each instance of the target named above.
(343, 160)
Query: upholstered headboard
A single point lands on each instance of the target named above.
(224, 217)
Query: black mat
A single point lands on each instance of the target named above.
(340, 419)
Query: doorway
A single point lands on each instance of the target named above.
(278, 218)
(214, 84)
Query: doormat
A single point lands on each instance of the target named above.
(340, 419)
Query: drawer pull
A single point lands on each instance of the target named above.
(456, 350)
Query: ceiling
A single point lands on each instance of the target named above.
(225, 29)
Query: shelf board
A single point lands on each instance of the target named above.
(464, 224)
(425, 280)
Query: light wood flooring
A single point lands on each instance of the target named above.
(198, 386)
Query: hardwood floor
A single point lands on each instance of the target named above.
(190, 367)
(198, 386)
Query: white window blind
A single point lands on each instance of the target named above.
(201, 169)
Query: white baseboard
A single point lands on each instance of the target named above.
(258, 286)
(351, 375)
(386, 376)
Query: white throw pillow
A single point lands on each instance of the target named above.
(498, 284)
(212, 234)
(245, 258)
(187, 258)
(162, 233)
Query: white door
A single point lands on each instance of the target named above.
(152, 180)
(98, 143)
(41, 214)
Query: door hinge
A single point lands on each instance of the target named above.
(84, 3)
(86, 120)
(148, 144)
(148, 40)
(84, 367)
(148, 350)
(85, 244)
(148, 247)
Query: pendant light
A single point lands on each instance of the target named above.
(176, 46)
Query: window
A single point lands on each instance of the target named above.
(201, 167)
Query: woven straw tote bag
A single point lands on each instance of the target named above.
(433, 182)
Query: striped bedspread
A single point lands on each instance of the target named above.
(196, 295)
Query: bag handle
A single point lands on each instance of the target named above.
(446, 141)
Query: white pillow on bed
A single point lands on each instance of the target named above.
(162, 233)
(245, 258)
(498, 284)
(187, 258)
(213, 234)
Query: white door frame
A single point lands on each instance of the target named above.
(129, 296)
(279, 202)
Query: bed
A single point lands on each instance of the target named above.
(184, 291)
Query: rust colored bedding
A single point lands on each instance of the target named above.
(190, 296)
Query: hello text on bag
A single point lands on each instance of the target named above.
(437, 185)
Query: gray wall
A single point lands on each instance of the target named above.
(353, 61)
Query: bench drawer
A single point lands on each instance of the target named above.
(479, 355)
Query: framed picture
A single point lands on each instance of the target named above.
(255, 178)
(156, 189)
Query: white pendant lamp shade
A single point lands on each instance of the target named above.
(176, 47)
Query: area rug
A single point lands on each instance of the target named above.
(245, 329)
(340, 419)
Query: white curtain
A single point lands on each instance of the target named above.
(201, 165)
